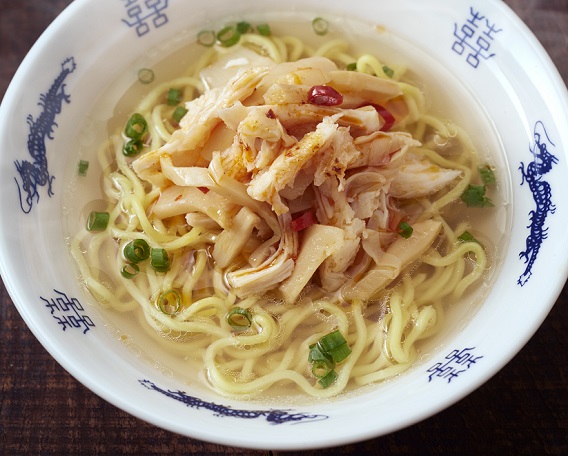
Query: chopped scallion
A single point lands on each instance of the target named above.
(405, 230)
(331, 341)
(83, 167)
(351, 66)
(328, 380)
(132, 147)
(321, 368)
(97, 221)
(206, 38)
(174, 97)
(239, 319)
(487, 174)
(136, 127)
(264, 29)
(228, 36)
(159, 260)
(322, 363)
(244, 27)
(169, 302)
(466, 236)
(340, 352)
(136, 251)
(325, 354)
(474, 196)
(145, 75)
(178, 114)
(130, 270)
(388, 71)
(320, 26)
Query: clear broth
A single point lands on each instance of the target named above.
(441, 88)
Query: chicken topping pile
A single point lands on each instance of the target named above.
(301, 168)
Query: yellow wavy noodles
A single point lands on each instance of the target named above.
(383, 333)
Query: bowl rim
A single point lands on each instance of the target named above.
(55, 349)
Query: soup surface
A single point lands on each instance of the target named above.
(281, 208)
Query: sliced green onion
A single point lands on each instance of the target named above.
(136, 127)
(130, 270)
(228, 36)
(325, 354)
(487, 174)
(328, 380)
(317, 353)
(239, 319)
(320, 26)
(159, 260)
(351, 66)
(264, 29)
(83, 167)
(340, 353)
(178, 114)
(322, 363)
(321, 368)
(174, 97)
(206, 38)
(388, 71)
(145, 75)
(244, 27)
(132, 147)
(136, 251)
(169, 302)
(474, 196)
(331, 341)
(97, 221)
(466, 236)
(335, 346)
(405, 230)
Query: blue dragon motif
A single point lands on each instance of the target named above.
(35, 173)
(272, 416)
(542, 195)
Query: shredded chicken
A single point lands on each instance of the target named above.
(268, 157)
(381, 148)
(197, 125)
(417, 177)
(273, 270)
(369, 88)
(267, 183)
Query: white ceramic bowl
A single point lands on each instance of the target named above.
(94, 48)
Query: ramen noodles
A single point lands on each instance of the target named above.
(284, 215)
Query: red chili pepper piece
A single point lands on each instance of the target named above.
(323, 95)
(387, 117)
(303, 221)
